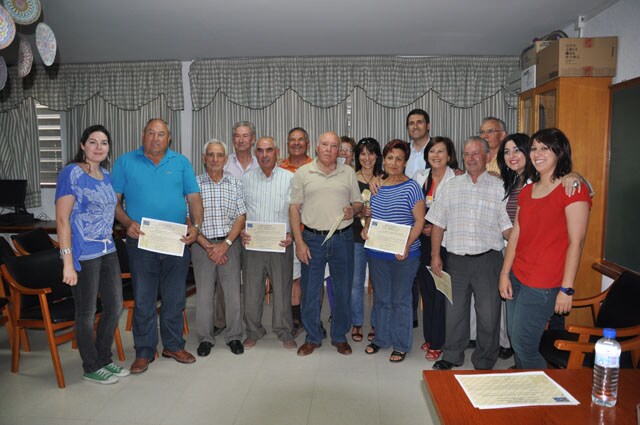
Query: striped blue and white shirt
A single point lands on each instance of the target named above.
(395, 205)
(268, 198)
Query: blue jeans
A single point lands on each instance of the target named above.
(393, 281)
(154, 273)
(338, 252)
(99, 276)
(357, 289)
(527, 316)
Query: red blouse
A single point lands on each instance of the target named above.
(544, 238)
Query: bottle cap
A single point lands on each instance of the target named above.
(609, 333)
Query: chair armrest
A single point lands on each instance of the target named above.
(590, 301)
(19, 288)
(584, 330)
(125, 275)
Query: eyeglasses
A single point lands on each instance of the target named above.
(490, 131)
(345, 150)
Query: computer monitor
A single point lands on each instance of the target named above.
(13, 194)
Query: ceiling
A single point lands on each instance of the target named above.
(130, 30)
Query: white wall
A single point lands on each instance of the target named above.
(622, 20)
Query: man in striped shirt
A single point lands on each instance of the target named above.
(267, 192)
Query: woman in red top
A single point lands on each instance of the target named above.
(544, 248)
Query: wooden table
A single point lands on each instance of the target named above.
(454, 407)
(49, 226)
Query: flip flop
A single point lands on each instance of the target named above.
(356, 333)
(433, 355)
(372, 348)
(371, 335)
(398, 354)
(425, 346)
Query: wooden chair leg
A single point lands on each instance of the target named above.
(15, 350)
(26, 347)
(129, 324)
(119, 347)
(185, 329)
(55, 355)
(268, 289)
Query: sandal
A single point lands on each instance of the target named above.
(399, 356)
(372, 348)
(356, 333)
(425, 346)
(433, 355)
(371, 334)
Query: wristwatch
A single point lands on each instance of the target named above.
(228, 242)
(197, 226)
(568, 291)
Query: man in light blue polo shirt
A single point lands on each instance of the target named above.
(154, 181)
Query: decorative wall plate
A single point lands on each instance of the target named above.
(7, 28)
(46, 43)
(3, 72)
(25, 58)
(24, 12)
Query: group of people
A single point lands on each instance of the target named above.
(513, 188)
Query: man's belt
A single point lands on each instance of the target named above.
(325, 232)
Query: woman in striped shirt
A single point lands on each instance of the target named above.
(400, 201)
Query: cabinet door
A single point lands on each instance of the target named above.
(547, 111)
(526, 114)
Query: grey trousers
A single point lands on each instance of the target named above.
(477, 275)
(279, 267)
(206, 272)
(504, 336)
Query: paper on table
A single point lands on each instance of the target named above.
(266, 236)
(502, 390)
(334, 227)
(162, 236)
(443, 284)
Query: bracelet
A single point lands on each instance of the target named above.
(65, 251)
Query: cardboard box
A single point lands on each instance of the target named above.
(528, 56)
(577, 57)
(528, 79)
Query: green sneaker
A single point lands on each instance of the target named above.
(101, 376)
(116, 370)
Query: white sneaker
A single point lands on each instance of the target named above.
(116, 370)
(101, 376)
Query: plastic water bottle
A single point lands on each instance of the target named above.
(605, 370)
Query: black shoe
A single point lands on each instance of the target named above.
(204, 349)
(472, 343)
(505, 353)
(324, 331)
(217, 331)
(444, 365)
(236, 346)
(415, 324)
(297, 328)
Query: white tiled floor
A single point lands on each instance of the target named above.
(267, 385)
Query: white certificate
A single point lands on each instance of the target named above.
(266, 236)
(501, 390)
(162, 237)
(443, 284)
(387, 237)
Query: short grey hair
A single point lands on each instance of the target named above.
(214, 142)
(244, 124)
(501, 123)
(483, 142)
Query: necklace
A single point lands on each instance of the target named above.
(366, 180)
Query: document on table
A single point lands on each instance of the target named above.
(443, 284)
(387, 237)
(501, 390)
(162, 237)
(266, 236)
(334, 227)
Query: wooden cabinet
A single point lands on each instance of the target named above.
(580, 108)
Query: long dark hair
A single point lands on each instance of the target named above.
(372, 146)
(510, 179)
(555, 140)
(80, 157)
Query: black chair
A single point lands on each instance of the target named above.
(35, 240)
(41, 300)
(618, 307)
